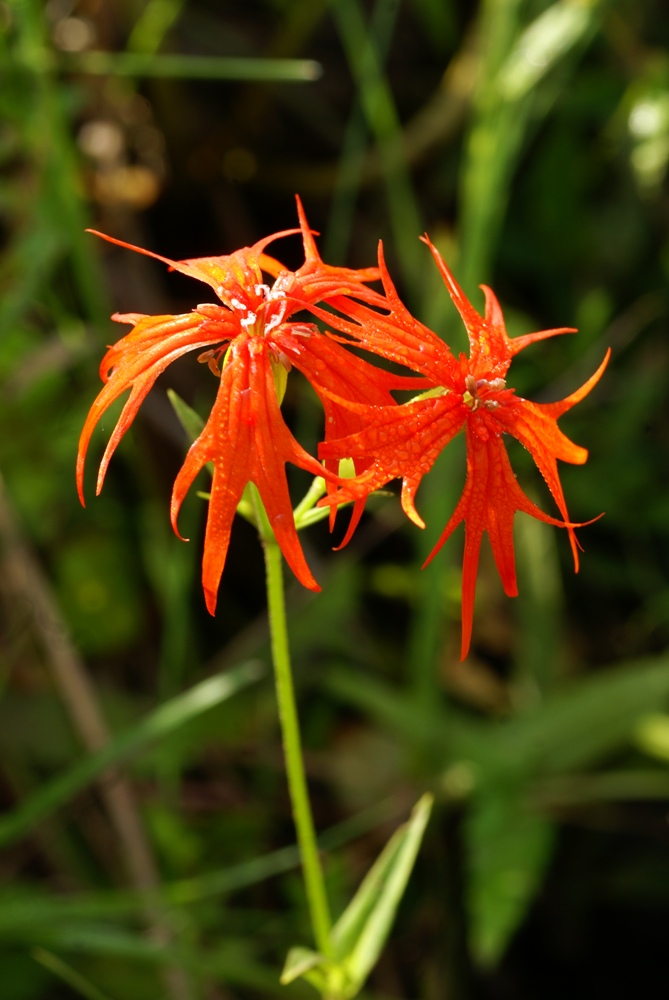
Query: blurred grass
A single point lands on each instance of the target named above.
(531, 139)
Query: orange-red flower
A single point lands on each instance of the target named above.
(471, 393)
(249, 340)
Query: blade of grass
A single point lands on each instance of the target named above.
(39, 908)
(148, 65)
(49, 135)
(509, 846)
(165, 720)
(377, 102)
(153, 24)
(540, 642)
(68, 975)
(514, 91)
(352, 156)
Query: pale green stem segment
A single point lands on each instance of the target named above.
(319, 909)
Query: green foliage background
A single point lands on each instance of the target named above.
(147, 841)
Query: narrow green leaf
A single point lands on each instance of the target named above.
(652, 735)
(583, 723)
(153, 24)
(162, 722)
(68, 975)
(543, 43)
(306, 964)
(190, 420)
(508, 848)
(446, 739)
(192, 67)
(378, 104)
(362, 930)
(605, 786)
(24, 913)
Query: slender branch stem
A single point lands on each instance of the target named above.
(319, 909)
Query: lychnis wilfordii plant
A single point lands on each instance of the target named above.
(250, 340)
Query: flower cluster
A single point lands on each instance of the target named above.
(253, 337)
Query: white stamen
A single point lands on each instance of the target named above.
(277, 318)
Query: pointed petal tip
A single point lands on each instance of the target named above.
(131, 246)
(178, 533)
(356, 514)
(175, 528)
(79, 478)
(465, 641)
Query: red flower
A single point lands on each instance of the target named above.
(404, 441)
(251, 341)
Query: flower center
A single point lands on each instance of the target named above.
(477, 392)
(266, 314)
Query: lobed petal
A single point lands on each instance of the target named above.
(247, 440)
(397, 442)
(134, 363)
(491, 349)
(489, 501)
(346, 386)
(397, 336)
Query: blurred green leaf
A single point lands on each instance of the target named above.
(652, 735)
(153, 24)
(508, 847)
(159, 724)
(69, 975)
(581, 725)
(193, 67)
(543, 43)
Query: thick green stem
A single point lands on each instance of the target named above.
(297, 785)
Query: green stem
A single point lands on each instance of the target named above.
(319, 909)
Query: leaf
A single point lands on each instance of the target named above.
(447, 734)
(192, 67)
(652, 736)
(190, 420)
(362, 930)
(582, 724)
(544, 43)
(508, 848)
(306, 964)
(69, 975)
(157, 725)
